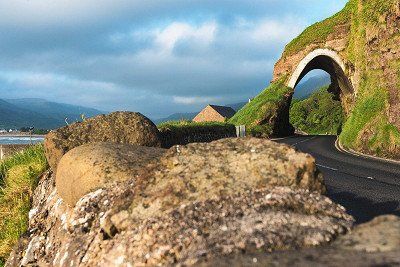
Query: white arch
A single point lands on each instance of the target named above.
(318, 52)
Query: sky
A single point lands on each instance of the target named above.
(154, 57)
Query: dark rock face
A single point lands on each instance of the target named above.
(196, 202)
(118, 127)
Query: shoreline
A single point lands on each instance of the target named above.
(22, 135)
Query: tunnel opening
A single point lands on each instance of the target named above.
(314, 109)
(323, 94)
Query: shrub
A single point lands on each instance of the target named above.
(318, 114)
(184, 132)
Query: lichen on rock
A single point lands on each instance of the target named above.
(193, 203)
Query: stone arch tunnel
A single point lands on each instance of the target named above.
(296, 67)
(362, 56)
(329, 61)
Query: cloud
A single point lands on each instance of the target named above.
(194, 100)
(178, 31)
(157, 57)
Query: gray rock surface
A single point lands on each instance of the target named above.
(91, 166)
(201, 201)
(382, 234)
(375, 243)
(205, 171)
(118, 127)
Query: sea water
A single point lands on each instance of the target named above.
(20, 140)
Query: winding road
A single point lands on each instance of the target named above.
(365, 187)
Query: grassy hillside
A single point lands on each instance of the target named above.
(258, 112)
(318, 114)
(318, 32)
(18, 178)
(368, 127)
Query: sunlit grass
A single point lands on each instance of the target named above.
(18, 179)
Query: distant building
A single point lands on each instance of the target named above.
(214, 113)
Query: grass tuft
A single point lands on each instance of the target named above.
(18, 179)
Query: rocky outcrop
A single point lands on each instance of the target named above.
(195, 202)
(375, 243)
(359, 48)
(118, 127)
(92, 166)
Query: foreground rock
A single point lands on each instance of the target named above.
(118, 127)
(92, 166)
(199, 172)
(375, 243)
(195, 202)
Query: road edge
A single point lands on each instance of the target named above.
(339, 147)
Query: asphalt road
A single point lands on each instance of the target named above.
(365, 187)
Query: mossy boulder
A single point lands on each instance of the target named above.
(118, 127)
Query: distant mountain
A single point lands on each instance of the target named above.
(305, 89)
(191, 115)
(39, 113)
(54, 110)
(237, 106)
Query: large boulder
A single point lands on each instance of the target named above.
(382, 234)
(194, 202)
(118, 127)
(204, 171)
(375, 243)
(91, 166)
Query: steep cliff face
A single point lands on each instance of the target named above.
(359, 48)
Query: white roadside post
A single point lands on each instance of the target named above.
(241, 131)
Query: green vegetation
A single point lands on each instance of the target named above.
(184, 132)
(18, 178)
(318, 32)
(318, 114)
(262, 108)
(35, 131)
(368, 126)
(189, 126)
